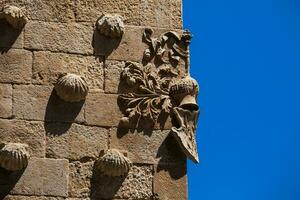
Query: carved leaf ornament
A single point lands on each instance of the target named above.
(162, 89)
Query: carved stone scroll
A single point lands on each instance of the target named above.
(14, 16)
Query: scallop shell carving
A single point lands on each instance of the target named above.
(113, 163)
(71, 88)
(14, 156)
(110, 25)
(14, 16)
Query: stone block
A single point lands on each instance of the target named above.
(5, 101)
(29, 132)
(59, 37)
(80, 179)
(12, 197)
(74, 141)
(45, 10)
(48, 66)
(44, 177)
(155, 146)
(161, 13)
(136, 185)
(170, 182)
(155, 13)
(15, 66)
(129, 48)
(102, 109)
(113, 70)
(35, 102)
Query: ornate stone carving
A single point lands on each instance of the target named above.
(160, 88)
(113, 163)
(151, 93)
(14, 156)
(71, 88)
(186, 110)
(110, 25)
(168, 47)
(14, 16)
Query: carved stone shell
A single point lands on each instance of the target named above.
(110, 25)
(71, 88)
(14, 16)
(185, 86)
(14, 156)
(113, 163)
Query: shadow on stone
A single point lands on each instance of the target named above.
(176, 171)
(104, 46)
(8, 180)
(8, 36)
(104, 187)
(58, 110)
(170, 153)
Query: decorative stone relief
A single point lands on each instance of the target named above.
(71, 88)
(160, 88)
(186, 110)
(167, 48)
(113, 163)
(110, 25)
(14, 16)
(14, 156)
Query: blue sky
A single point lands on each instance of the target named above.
(246, 57)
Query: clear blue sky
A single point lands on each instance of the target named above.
(246, 58)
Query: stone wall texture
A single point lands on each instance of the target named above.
(65, 139)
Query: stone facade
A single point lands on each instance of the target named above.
(66, 139)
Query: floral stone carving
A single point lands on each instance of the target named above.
(110, 25)
(14, 16)
(113, 163)
(14, 156)
(162, 89)
(71, 88)
(168, 48)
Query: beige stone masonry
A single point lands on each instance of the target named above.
(147, 147)
(28, 132)
(44, 177)
(170, 182)
(35, 102)
(15, 66)
(74, 141)
(48, 66)
(5, 101)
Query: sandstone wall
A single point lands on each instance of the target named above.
(65, 139)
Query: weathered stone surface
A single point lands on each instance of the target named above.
(151, 147)
(10, 37)
(15, 66)
(113, 71)
(102, 109)
(12, 197)
(35, 102)
(162, 13)
(130, 47)
(48, 66)
(31, 133)
(136, 185)
(48, 177)
(64, 37)
(156, 13)
(44, 10)
(170, 182)
(5, 100)
(75, 142)
(80, 179)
